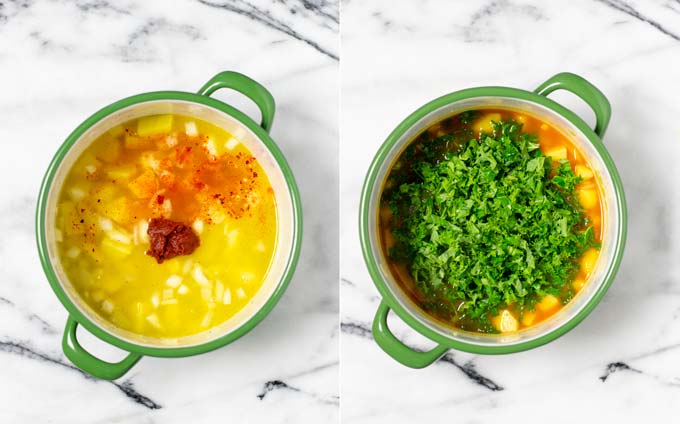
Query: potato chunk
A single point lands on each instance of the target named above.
(144, 186)
(557, 153)
(583, 172)
(122, 173)
(110, 151)
(578, 283)
(133, 142)
(588, 260)
(114, 249)
(154, 124)
(587, 197)
(119, 210)
(528, 318)
(484, 124)
(547, 303)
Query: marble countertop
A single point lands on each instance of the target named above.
(621, 364)
(61, 60)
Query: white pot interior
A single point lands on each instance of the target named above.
(285, 217)
(610, 220)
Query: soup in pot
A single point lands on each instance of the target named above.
(491, 220)
(166, 226)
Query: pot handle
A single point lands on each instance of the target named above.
(398, 350)
(248, 87)
(90, 364)
(586, 91)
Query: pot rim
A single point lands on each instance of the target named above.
(169, 351)
(365, 215)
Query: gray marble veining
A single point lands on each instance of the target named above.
(62, 60)
(620, 363)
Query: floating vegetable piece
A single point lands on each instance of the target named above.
(154, 124)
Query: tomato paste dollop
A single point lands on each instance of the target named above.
(170, 238)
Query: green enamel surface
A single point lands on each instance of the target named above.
(586, 91)
(382, 335)
(390, 344)
(265, 102)
(89, 363)
(248, 87)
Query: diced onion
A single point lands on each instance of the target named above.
(73, 252)
(114, 248)
(260, 246)
(231, 237)
(58, 236)
(167, 207)
(226, 298)
(171, 140)
(231, 143)
(253, 198)
(174, 281)
(211, 147)
(98, 295)
(219, 290)
(107, 306)
(191, 129)
(183, 289)
(141, 234)
(119, 236)
(207, 319)
(77, 194)
(105, 223)
(199, 276)
(168, 294)
(150, 161)
(153, 320)
(240, 293)
(247, 277)
(155, 300)
(198, 226)
(187, 266)
(216, 214)
(206, 293)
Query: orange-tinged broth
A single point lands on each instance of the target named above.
(182, 169)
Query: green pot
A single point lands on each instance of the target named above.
(614, 220)
(256, 138)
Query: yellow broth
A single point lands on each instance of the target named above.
(553, 143)
(179, 168)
